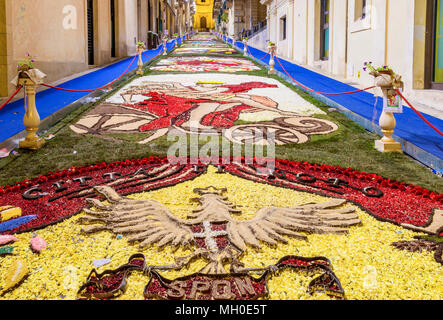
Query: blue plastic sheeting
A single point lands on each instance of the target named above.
(410, 126)
(170, 45)
(51, 100)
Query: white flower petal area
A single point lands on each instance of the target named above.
(207, 104)
(286, 99)
(205, 64)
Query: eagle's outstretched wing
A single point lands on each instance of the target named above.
(271, 223)
(147, 221)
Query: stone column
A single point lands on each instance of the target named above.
(31, 119)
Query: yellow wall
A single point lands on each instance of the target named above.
(204, 9)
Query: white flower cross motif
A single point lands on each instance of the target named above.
(209, 235)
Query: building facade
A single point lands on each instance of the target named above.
(337, 37)
(203, 18)
(71, 36)
(239, 18)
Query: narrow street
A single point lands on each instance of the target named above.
(279, 177)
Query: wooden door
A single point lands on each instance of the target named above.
(90, 14)
(203, 23)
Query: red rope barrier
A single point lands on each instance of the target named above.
(11, 97)
(90, 90)
(153, 58)
(419, 114)
(247, 48)
(325, 93)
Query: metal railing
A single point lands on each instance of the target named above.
(255, 29)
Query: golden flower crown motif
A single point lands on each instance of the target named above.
(210, 190)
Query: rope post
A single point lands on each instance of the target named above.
(31, 119)
(272, 47)
(140, 49)
(388, 83)
(245, 47)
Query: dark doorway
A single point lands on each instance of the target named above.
(149, 16)
(324, 29)
(203, 23)
(160, 20)
(90, 13)
(113, 30)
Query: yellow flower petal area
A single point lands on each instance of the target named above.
(364, 261)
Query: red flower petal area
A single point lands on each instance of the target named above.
(202, 63)
(59, 195)
(172, 110)
(400, 203)
(53, 203)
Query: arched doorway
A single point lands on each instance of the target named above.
(203, 23)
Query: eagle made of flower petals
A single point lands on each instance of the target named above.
(151, 222)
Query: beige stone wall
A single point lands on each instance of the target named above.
(300, 36)
(56, 32)
(38, 27)
(393, 32)
(102, 33)
(128, 31)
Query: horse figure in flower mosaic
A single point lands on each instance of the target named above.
(207, 108)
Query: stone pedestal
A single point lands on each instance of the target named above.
(140, 61)
(387, 143)
(31, 119)
(272, 70)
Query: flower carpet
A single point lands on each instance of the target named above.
(205, 51)
(196, 103)
(205, 64)
(359, 256)
(216, 228)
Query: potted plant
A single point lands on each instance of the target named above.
(224, 17)
(141, 45)
(271, 45)
(377, 71)
(26, 64)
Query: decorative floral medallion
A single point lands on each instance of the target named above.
(205, 51)
(204, 64)
(220, 239)
(195, 104)
(338, 224)
(203, 44)
(204, 37)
